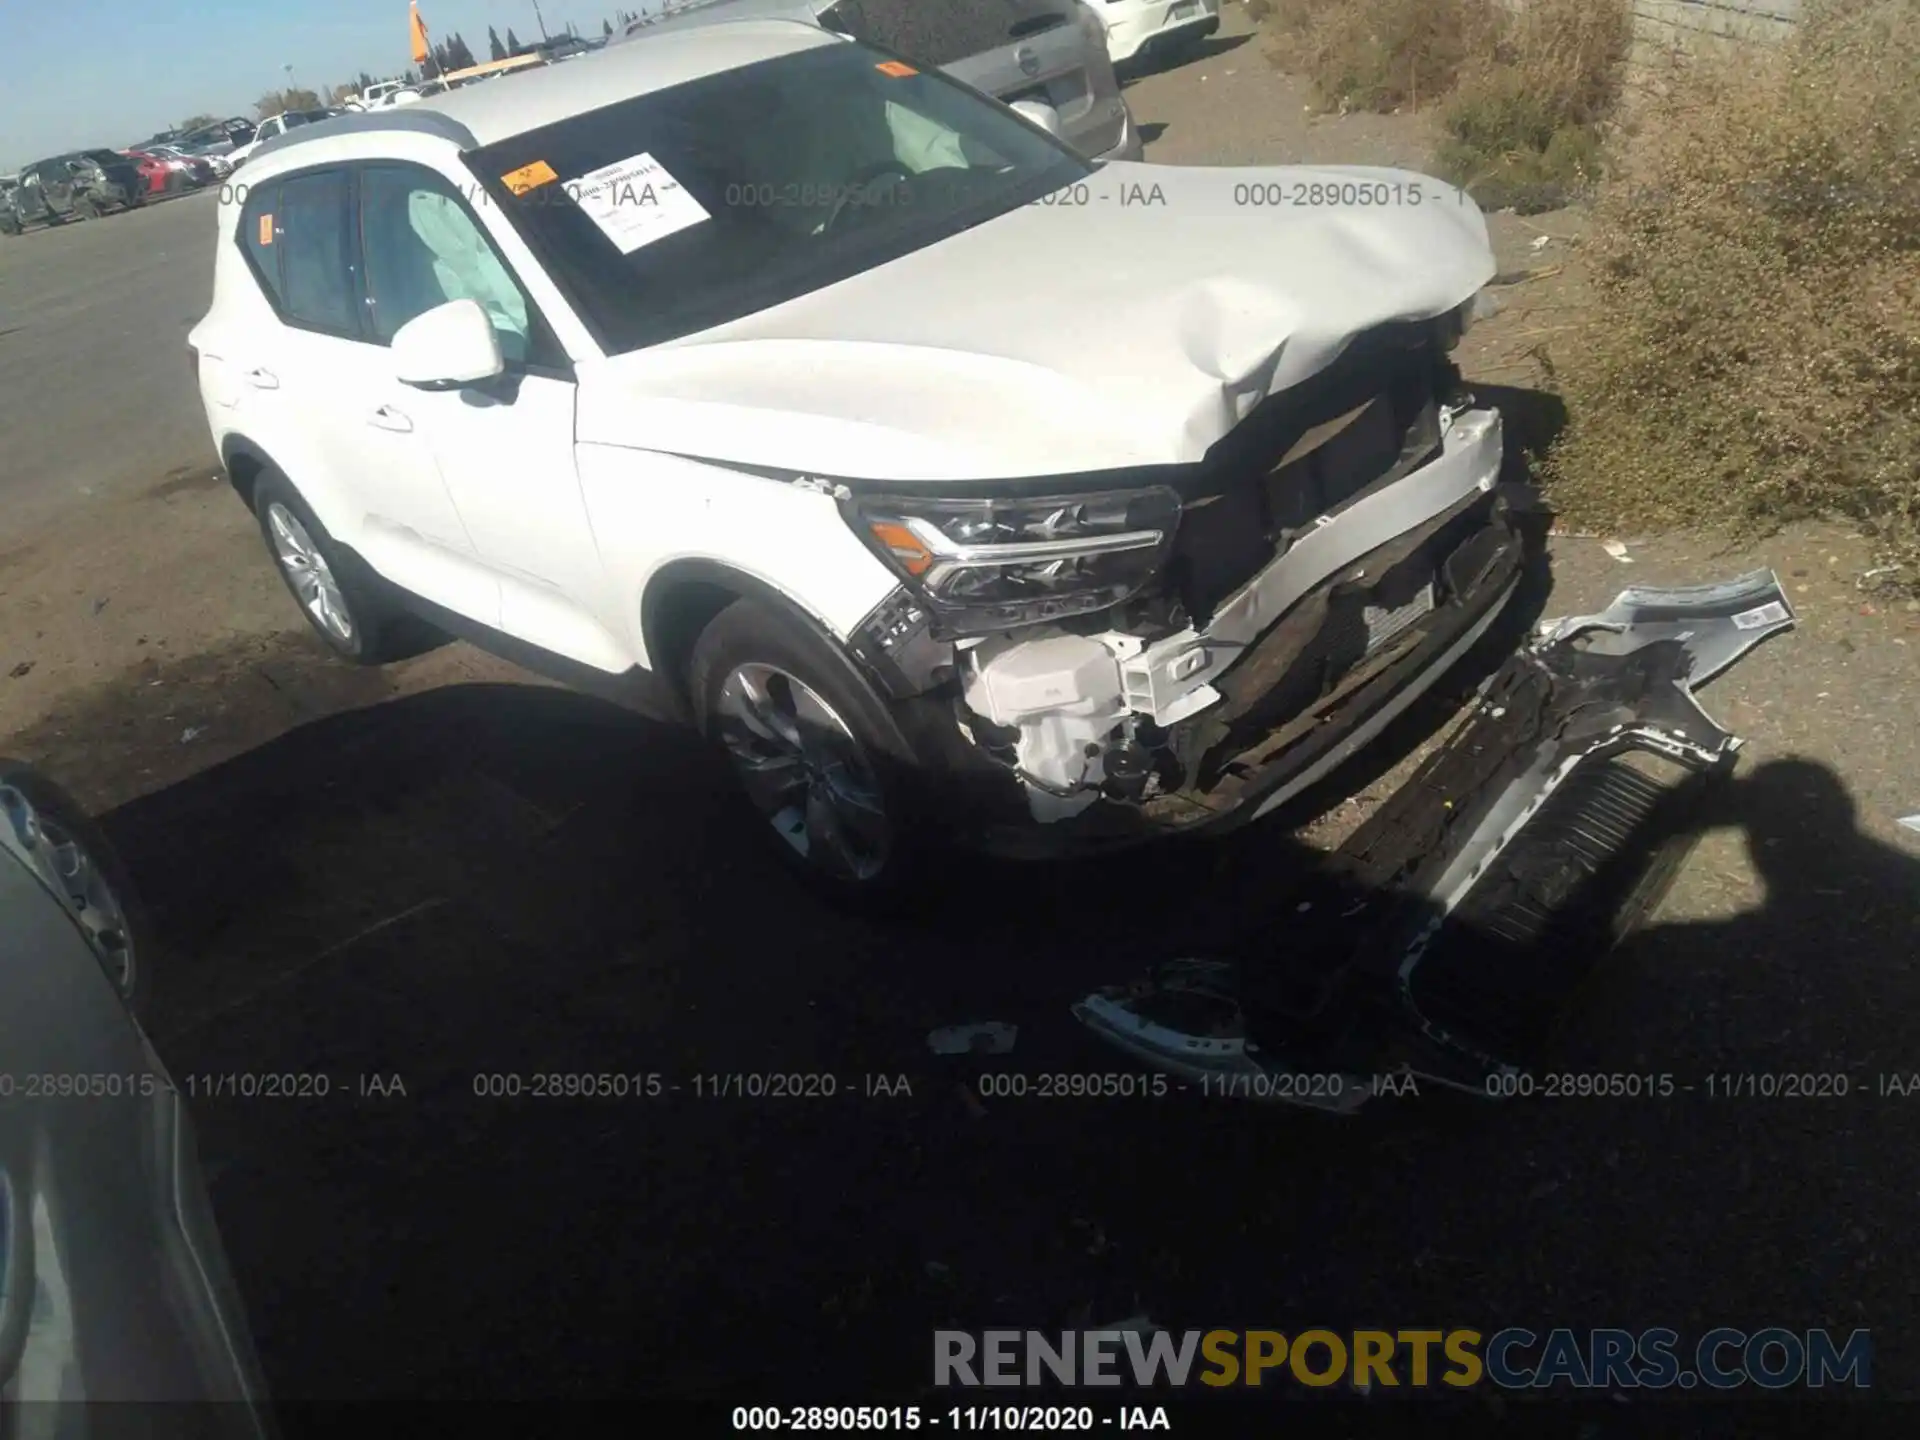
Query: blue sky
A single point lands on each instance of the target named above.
(111, 72)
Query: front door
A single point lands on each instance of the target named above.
(505, 449)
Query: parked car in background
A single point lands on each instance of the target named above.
(944, 500)
(563, 47)
(114, 1283)
(9, 217)
(159, 176)
(271, 126)
(77, 187)
(197, 170)
(167, 172)
(1145, 32)
(1047, 58)
(378, 91)
(216, 143)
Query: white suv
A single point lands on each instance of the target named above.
(950, 482)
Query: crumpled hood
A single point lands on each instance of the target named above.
(1136, 328)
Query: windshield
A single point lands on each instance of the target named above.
(104, 157)
(686, 208)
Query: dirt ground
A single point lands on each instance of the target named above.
(443, 871)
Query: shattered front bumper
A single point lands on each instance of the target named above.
(1446, 936)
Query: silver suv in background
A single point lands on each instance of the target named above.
(1047, 58)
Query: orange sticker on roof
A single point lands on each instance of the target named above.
(529, 177)
(266, 229)
(895, 68)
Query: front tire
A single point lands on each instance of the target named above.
(815, 753)
(342, 600)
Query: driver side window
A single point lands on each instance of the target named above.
(423, 247)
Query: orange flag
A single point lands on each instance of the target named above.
(421, 49)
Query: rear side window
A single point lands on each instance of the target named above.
(256, 238)
(296, 233)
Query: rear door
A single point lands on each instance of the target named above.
(57, 186)
(316, 393)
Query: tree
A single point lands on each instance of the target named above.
(458, 55)
(198, 122)
(606, 27)
(276, 102)
(495, 49)
(513, 45)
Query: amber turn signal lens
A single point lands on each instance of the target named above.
(904, 545)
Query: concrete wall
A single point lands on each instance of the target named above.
(1670, 24)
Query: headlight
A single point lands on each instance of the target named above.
(987, 565)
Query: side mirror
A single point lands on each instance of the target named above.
(446, 347)
(1041, 114)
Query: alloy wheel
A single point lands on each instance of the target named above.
(307, 571)
(804, 771)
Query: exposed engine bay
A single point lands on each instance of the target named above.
(1345, 545)
(1444, 937)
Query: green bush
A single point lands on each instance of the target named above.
(1754, 353)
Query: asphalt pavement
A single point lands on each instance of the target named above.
(95, 393)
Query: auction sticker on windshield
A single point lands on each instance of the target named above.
(529, 177)
(635, 202)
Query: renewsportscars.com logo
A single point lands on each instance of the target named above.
(1772, 1358)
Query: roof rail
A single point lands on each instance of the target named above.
(418, 119)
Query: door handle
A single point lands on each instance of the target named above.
(262, 379)
(388, 418)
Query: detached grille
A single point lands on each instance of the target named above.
(1587, 867)
(1365, 421)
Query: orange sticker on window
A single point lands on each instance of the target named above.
(529, 177)
(895, 68)
(266, 229)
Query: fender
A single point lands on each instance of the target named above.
(684, 595)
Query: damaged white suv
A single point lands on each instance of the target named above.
(950, 482)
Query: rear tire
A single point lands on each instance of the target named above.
(349, 607)
(99, 894)
(826, 775)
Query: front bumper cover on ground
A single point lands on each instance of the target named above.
(1445, 937)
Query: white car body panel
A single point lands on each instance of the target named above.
(1132, 23)
(1162, 323)
(652, 509)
